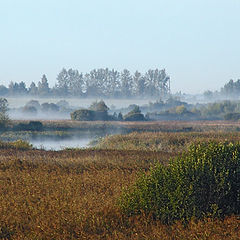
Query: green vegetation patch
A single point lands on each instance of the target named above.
(19, 144)
(205, 181)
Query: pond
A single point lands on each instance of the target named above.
(60, 144)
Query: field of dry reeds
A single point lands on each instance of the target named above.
(73, 194)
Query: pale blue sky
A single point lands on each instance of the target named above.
(197, 41)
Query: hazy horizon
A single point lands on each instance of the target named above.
(197, 42)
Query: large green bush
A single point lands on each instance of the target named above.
(134, 115)
(89, 115)
(205, 181)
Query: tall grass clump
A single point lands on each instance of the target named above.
(18, 145)
(202, 182)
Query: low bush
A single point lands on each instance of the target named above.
(205, 181)
(19, 145)
(90, 115)
(49, 107)
(134, 115)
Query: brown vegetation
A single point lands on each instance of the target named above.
(164, 141)
(72, 194)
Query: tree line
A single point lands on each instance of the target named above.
(230, 90)
(97, 83)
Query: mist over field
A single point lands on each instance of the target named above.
(15, 105)
(78, 102)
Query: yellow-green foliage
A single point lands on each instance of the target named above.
(205, 180)
(19, 144)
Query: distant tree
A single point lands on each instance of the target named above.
(127, 82)
(75, 83)
(138, 84)
(150, 80)
(22, 90)
(62, 85)
(115, 116)
(102, 82)
(113, 84)
(33, 90)
(163, 83)
(90, 86)
(11, 88)
(43, 87)
(96, 82)
(231, 89)
(17, 88)
(120, 117)
(208, 95)
(4, 118)
(3, 90)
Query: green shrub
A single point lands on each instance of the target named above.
(22, 145)
(89, 115)
(19, 144)
(134, 115)
(205, 181)
(82, 115)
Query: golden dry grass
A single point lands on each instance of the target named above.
(164, 141)
(72, 194)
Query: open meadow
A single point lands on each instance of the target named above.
(74, 193)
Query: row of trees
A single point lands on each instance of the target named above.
(97, 83)
(229, 90)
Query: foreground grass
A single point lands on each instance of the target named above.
(72, 195)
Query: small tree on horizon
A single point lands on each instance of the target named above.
(4, 118)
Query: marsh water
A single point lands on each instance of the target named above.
(61, 144)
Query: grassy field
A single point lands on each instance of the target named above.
(72, 194)
(163, 126)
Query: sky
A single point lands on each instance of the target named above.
(196, 41)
